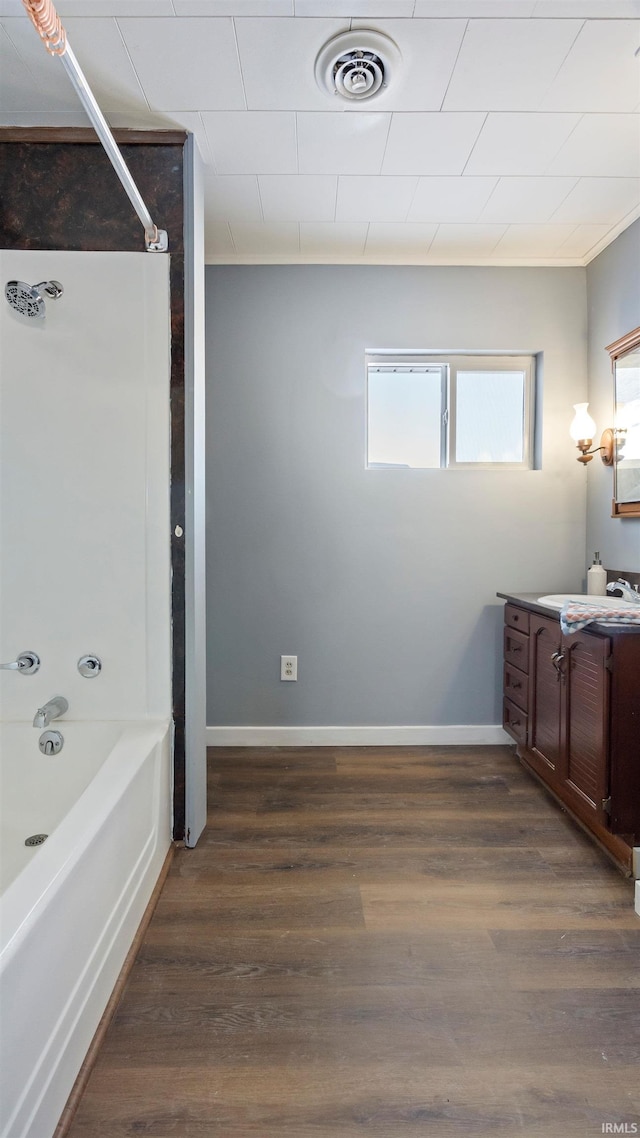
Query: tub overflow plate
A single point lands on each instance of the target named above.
(51, 742)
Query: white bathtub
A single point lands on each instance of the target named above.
(71, 906)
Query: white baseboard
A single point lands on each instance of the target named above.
(464, 735)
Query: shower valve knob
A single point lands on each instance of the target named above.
(27, 663)
(89, 666)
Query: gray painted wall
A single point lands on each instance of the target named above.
(381, 581)
(613, 291)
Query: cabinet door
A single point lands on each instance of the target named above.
(547, 691)
(586, 718)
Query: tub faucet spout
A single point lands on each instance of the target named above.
(52, 709)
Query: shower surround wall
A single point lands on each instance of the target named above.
(84, 531)
(58, 191)
(84, 518)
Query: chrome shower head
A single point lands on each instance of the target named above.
(28, 300)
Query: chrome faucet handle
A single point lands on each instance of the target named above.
(27, 663)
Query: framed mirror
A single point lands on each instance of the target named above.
(625, 363)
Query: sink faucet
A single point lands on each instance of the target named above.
(629, 592)
(52, 709)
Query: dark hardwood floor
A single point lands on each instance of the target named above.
(411, 942)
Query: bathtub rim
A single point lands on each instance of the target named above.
(30, 891)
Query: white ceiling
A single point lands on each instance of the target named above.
(510, 134)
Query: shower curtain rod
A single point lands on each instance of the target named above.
(47, 23)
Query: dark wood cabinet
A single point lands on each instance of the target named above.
(572, 705)
(546, 693)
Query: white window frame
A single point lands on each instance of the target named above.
(450, 363)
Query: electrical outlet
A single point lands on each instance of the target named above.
(288, 667)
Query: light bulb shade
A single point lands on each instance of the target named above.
(583, 426)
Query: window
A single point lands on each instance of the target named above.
(449, 411)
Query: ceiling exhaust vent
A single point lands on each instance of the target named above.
(357, 65)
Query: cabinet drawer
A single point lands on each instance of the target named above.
(516, 649)
(516, 686)
(514, 721)
(516, 618)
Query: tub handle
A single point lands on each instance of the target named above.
(89, 666)
(27, 663)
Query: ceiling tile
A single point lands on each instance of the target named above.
(232, 198)
(185, 64)
(533, 240)
(277, 59)
(450, 199)
(479, 8)
(526, 199)
(252, 142)
(41, 118)
(429, 49)
(341, 144)
(583, 238)
(399, 241)
(91, 9)
(17, 91)
(31, 78)
(277, 239)
(233, 7)
(374, 199)
(508, 65)
(304, 197)
(430, 143)
(325, 238)
(218, 242)
(519, 143)
(370, 9)
(588, 9)
(600, 201)
(601, 72)
(601, 144)
(460, 241)
(106, 64)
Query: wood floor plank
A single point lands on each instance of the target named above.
(331, 1099)
(503, 905)
(275, 963)
(577, 958)
(345, 865)
(378, 943)
(399, 828)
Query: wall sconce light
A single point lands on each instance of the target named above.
(582, 431)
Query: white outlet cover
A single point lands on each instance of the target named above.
(288, 667)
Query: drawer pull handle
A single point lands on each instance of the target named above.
(516, 684)
(515, 722)
(516, 647)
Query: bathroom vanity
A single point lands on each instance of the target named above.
(572, 705)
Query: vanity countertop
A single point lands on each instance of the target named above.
(530, 601)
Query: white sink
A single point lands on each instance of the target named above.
(557, 600)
